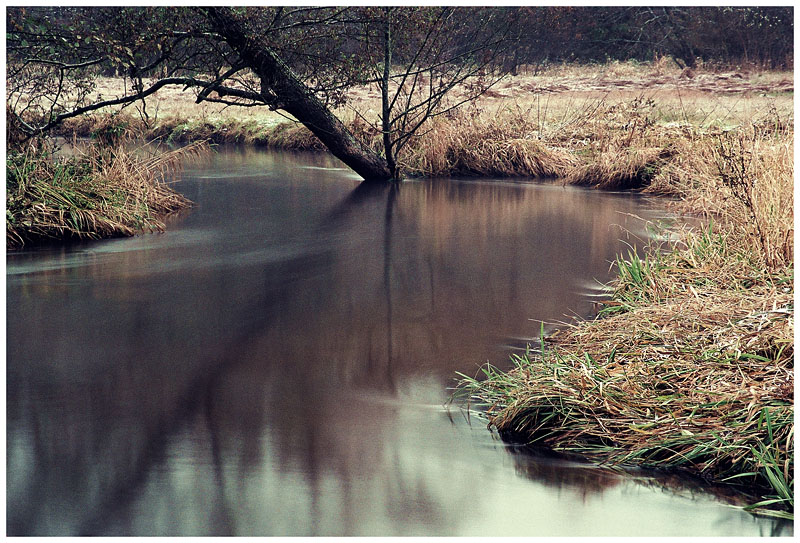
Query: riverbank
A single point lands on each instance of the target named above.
(613, 126)
(97, 191)
(689, 365)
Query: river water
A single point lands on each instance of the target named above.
(277, 364)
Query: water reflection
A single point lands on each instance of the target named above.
(277, 362)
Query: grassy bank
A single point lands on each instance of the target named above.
(690, 363)
(99, 191)
(601, 143)
(613, 126)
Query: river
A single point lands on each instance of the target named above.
(278, 361)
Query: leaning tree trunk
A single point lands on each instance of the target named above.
(292, 96)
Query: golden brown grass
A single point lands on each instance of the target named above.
(473, 144)
(97, 192)
(743, 179)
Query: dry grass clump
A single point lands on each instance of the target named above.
(619, 169)
(745, 179)
(98, 192)
(757, 171)
(120, 125)
(471, 144)
(291, 136)
(628, 145)
(619, 145)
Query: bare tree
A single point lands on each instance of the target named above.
(298, 60)
(426, 55)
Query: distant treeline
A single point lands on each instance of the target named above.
(761, 36)
(527, 36)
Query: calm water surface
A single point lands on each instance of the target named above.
(277, 364)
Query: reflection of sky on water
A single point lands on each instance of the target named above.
(276, 364)
(412, 489)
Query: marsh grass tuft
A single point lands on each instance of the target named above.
(471, 144)
(619, 170)
(99, 191)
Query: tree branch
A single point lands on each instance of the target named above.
(143, 93)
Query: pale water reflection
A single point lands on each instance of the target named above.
(277, 364)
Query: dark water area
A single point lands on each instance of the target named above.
(277, 363)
